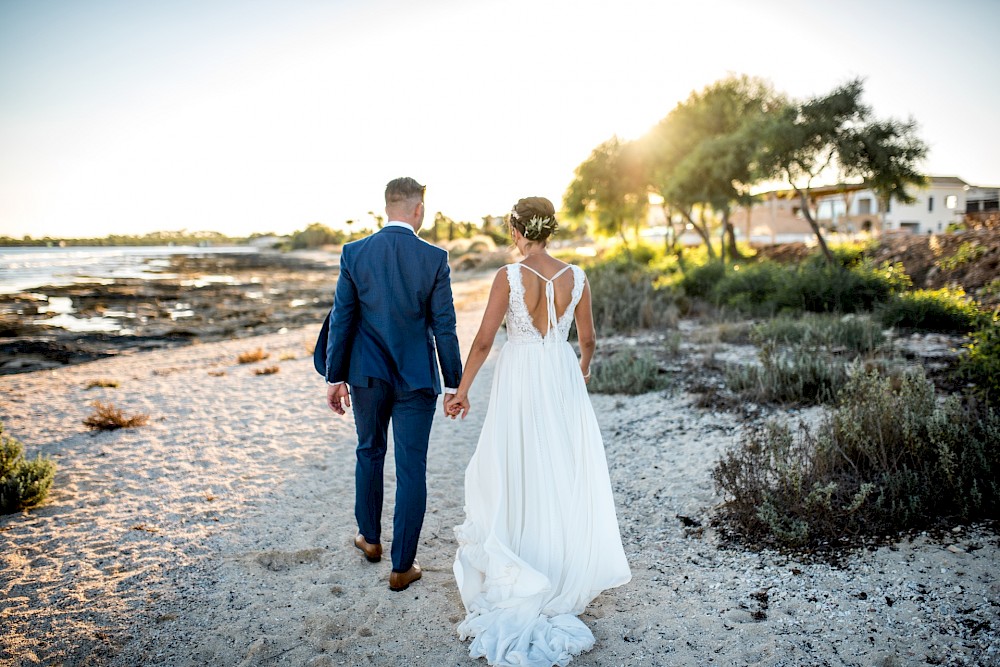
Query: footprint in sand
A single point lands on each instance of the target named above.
(281, 561)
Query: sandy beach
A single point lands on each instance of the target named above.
(220, 534)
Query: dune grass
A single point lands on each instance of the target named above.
(106, 417)
(251, 356)
(103, 383)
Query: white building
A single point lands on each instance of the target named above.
(980, 200)
(936, 206)
(849, 209)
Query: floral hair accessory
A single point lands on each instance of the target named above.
(536, 227)
(514, 215)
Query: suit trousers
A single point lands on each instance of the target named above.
(411, 414)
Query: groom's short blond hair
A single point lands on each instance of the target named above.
(401, 189)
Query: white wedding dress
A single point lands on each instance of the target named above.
(540, 539)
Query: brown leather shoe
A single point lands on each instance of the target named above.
(400, 581)
(373, 552)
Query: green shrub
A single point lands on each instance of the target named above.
(23, 483)
(625, 298)
(833, 289)
(857, 334)
(967, 251)
(624, 373)
(990, 292)
(801, 375)
(845, 255)
(639, 254)
(945, 309)
(767, 287)
(700, 280)
(890, 458)
(11, 452)
(980, 365)
(752, 287)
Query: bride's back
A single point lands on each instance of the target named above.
(534, 288)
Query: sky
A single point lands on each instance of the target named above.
(243, 116)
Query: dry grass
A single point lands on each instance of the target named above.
(102, 382)
(626, 373)
(736, 333)
(891, 457)
(107, 417)
(251, 356)
(217, 374)
(267, 370)
(287, 356)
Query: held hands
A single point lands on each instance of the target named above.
(337, 397)
(456, 405)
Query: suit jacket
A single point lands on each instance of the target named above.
(393, 317)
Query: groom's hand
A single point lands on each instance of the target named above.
(456, 405)
(337, 397)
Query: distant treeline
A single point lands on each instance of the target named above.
(443, 228)
(182, 237)
(315, 235)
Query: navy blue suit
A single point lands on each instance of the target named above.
(393, 320)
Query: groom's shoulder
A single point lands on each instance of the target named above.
(409, 243)
(428, 248)
(355, 245)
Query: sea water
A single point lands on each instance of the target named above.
(26, 268)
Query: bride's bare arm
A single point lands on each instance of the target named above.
(585, 331)
(496, 308)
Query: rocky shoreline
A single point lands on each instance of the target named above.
(198, 298)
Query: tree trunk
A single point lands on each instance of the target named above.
(702, 232)
(730, 233)
(676, 248)
(671, 239)
(668, 234)
(722, 242)
(620, 224)
(804, 200)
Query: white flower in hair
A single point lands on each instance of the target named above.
(537, 225)
(514, 215)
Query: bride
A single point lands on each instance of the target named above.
(540, 539)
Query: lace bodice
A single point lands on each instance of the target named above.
(520, 328)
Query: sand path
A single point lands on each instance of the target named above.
(220, 534)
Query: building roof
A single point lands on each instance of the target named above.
(818, 190)
(840, 188)
(946, 180)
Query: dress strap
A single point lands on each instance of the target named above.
(550, 295)
(548, 280)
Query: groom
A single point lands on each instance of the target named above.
(393, 304)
